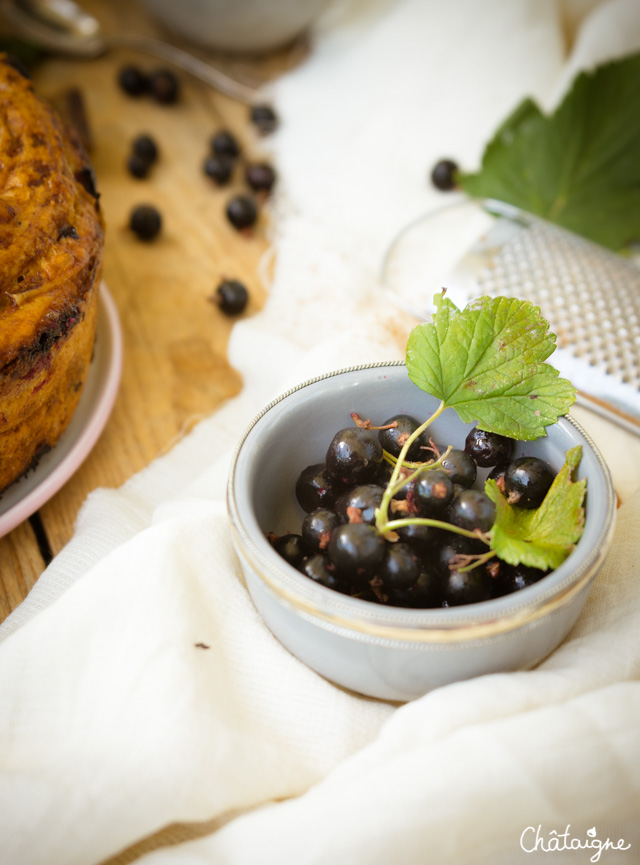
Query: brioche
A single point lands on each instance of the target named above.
(51, 247)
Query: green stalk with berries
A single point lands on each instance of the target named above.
(488, 362)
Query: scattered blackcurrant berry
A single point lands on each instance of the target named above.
(242, 212)
(138, 166)
(145, 147)
(444, 175)
(225, 143)
(231, 296)
(260, 177)
(133, 81)
(527, 481)
(165, 86)
(219, 169)
(263, 118)
(145, 221)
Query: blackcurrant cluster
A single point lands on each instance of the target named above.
(341, 544)
(219, 165)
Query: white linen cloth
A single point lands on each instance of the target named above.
(115, 724)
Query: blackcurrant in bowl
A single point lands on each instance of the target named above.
(410, 644)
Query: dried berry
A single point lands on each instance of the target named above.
(264, 118)
(165, 86)
(231, 296)
(219, 169)
(242, 212)
(260, 177)
(137, 166)
(225, 143)
(145, 147)
(145, 221)
(133, 81)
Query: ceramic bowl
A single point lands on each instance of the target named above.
(389, 652)
(237, 25)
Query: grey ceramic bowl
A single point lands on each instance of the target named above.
(389, 652)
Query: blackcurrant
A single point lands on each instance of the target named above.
(468, 587)
(356, 550)
(165, 86)
(219, 169)
(145, 147)
(354, 455)
(449, 555)
(242, 212)
(316, 488)
(444, 175)
(318, 568)
(138, 166)
(145, 221)
(231, 296)
(527, 481)
(317, 527)
(291, 547)
(394, 438)
(460, 467)
(472, 510)
(264, 118)
(133, 81)
(224, 143)
(425, 539)
(426, 592)
(514, 578)
(432, 493)
(359, 504)
(260, 177)
(488, 448)
(400, 567)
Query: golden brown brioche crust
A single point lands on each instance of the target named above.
(51, 244)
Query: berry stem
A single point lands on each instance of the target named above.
(393, 525)
(382, 513)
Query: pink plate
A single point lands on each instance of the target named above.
(26, 495)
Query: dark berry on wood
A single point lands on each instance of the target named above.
(231, 296)
(145, 221)
(242, 212)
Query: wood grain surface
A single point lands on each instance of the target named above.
(175, 340)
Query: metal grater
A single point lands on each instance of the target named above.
(589, 295)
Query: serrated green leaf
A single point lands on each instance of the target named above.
(541, 538)
(578, 167)
(487, 362)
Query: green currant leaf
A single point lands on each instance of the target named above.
(578, 167)
(487, 362)
(541, 538)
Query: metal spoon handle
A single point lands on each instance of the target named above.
(188, 63)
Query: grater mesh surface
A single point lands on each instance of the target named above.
(590, 296)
